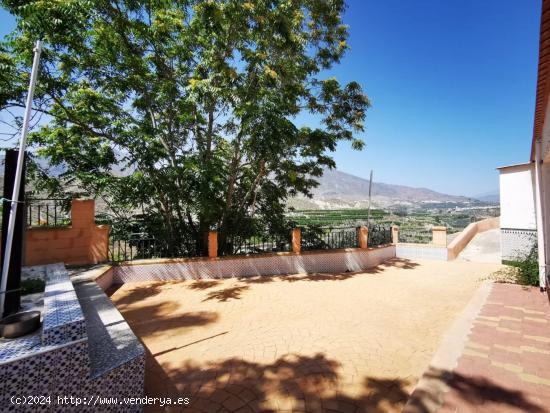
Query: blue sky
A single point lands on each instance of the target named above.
(452, 84)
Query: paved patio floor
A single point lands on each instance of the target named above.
(321, 342)
(503, 365)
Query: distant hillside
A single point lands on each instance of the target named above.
(489, 197)
(340, 190)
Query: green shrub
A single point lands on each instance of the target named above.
(528, 268)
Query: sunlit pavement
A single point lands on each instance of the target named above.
(504, 365)
(319, 342)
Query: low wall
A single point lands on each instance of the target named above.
(421, 252)
(84, 349)
(462, 240)
(83, 242)
(352, 260)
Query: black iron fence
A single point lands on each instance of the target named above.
(48, 212)
(257, 244)
(325, 238)
(379, 235)
(131, 239)
(142, 246)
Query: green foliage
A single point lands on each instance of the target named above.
(32, 285)
(191, 102)
(528, 268)
(338, 217)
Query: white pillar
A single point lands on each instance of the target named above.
(539, 200)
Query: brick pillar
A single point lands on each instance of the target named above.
(439, 236)
(394, 234)
(363, 237)
(82, 213)
(296, 240)
(213, 244)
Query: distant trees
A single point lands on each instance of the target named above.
(192, 102)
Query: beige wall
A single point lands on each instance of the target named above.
(460, 242)
(439, 236)
(83, 242)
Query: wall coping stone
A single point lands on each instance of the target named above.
(111, 342)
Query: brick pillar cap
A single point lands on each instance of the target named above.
(439, 228)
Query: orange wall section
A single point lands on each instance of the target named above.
(83, 242)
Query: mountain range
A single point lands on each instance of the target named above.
(342, 190)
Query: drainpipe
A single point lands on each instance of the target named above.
(540, 214)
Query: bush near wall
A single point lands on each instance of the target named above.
(527, 269)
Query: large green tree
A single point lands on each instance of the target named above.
(191, 102)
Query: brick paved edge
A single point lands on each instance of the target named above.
(427, 396)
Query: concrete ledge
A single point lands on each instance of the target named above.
(111, 342)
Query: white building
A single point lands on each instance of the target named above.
(525, 189)
(518, 220)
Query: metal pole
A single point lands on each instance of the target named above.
(540, 210)
(18, 173)
(368, 211)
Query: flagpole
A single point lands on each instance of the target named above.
(370, 189)
(18, 175)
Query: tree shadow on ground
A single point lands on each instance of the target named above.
(226, 294)
(402, 263)
(203, 284)
(169, 350)
(310, 384)
(291, 383)
(467, 393)
(131, 295)
(160, 318)
(320, 277)
(113, 288)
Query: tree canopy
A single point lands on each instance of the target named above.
(185, 109)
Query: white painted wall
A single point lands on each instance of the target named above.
(517, 197)
(546, 207)
(546, 136)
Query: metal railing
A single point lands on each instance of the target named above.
(142, 246)
(325, 238)
(379, 235)
(257, 244)
(48, 212)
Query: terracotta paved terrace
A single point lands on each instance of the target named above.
(298, 343)
(504, 364)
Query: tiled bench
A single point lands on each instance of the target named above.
(63, 319)
(84, 348)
